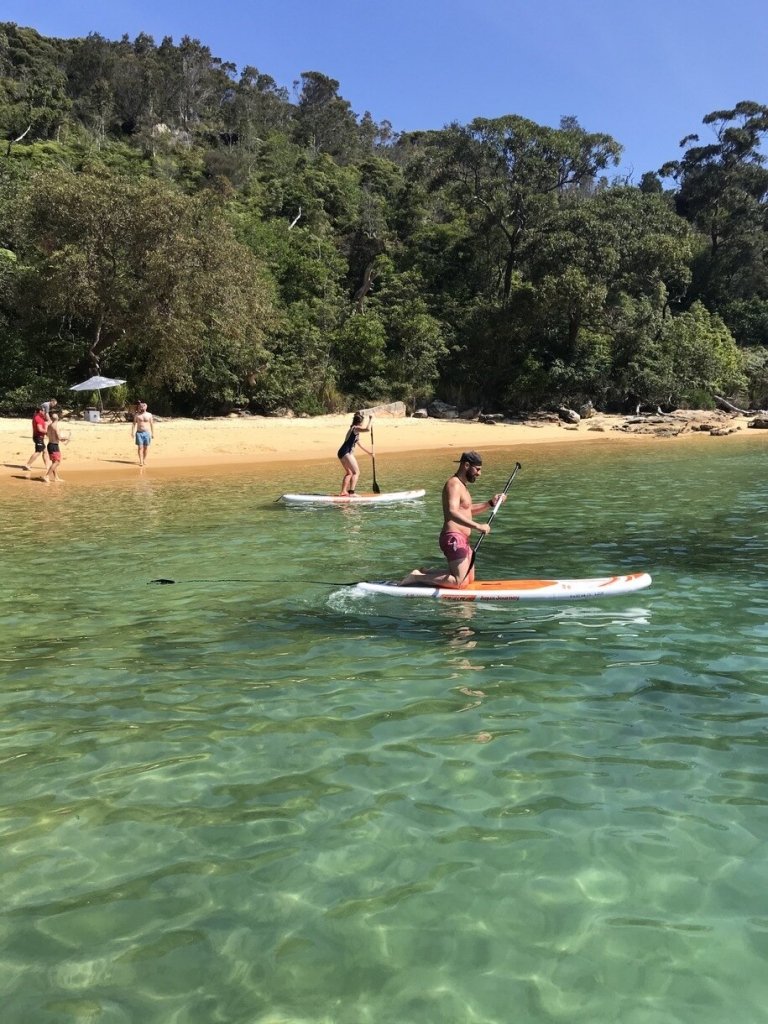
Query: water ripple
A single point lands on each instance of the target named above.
(268, 802)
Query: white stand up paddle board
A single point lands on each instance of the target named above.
(351, 499)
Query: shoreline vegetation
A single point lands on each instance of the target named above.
(104, 451)
(218, 241)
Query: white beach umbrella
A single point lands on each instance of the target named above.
(96, 384)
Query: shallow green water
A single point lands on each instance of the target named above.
(253, 803)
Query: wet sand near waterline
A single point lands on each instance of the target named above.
(101, 451)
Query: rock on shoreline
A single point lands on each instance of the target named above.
(718, 423)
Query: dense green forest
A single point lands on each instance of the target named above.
(220, 242)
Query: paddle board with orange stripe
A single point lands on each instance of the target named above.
(519, 590)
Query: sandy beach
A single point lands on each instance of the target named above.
(105, 449)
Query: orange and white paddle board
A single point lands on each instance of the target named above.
(518, 590)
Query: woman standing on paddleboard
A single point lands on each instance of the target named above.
(345, 453)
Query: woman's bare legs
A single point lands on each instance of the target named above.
(351, 473)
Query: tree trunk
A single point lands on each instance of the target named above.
(99, 345)
(729, 407)
(364, 288)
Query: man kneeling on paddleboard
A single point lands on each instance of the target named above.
(458, 524)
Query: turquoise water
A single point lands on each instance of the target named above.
(262, 803)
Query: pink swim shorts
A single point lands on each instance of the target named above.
(455, 546)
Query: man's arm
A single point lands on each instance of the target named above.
(483, 505)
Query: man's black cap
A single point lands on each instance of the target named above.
(473, 458)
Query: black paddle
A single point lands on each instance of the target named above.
(494, 510)
(376, 488)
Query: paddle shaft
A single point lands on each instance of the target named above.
(376, 488)
(491, 517)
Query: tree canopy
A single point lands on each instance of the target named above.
(221, 241)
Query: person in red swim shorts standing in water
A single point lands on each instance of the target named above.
(55, 441)
(458, 523)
